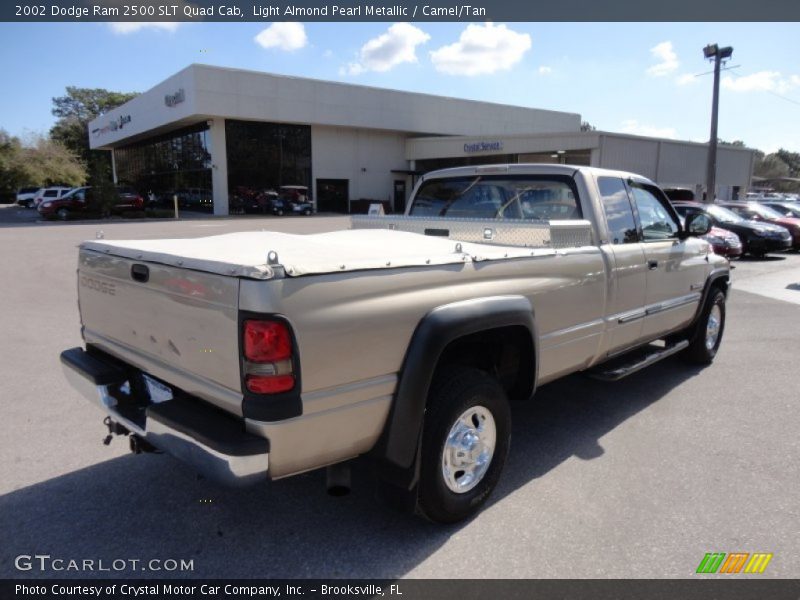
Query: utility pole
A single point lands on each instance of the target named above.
(717, 54)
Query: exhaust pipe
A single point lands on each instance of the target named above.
(140, 445)
(337, 479)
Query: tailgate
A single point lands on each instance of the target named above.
(177, 324)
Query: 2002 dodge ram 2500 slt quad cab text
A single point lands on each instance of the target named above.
(255, 356)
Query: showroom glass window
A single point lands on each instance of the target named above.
(266, 156)
(166, 165)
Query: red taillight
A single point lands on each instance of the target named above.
(268, 357)
(269, 384)
(266, 341)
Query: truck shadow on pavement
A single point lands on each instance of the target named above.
(151, 507)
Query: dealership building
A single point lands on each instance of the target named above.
(218, 133)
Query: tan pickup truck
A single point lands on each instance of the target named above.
(255, 356)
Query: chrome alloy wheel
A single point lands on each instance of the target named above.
(712, 326)
(468, 449)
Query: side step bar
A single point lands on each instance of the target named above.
(634, 361)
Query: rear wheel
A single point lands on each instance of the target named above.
(465, 443)
(708, 336)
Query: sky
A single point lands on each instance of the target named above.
(641, 78)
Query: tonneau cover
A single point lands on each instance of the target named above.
(245, 254)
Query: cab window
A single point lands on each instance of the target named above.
(618, 209)
(657, 222)
(527, 197)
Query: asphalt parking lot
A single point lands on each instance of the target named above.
(638, 478)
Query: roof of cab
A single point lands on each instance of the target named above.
(532, 169)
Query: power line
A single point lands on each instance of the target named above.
(721, 69)
(784, 97)
(769, 91)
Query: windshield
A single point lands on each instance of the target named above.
(723, 215)
(765, 211)
(497, 197)
(790, 210)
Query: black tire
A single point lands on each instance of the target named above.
(454, 391)
(699, 351)
(63, 214)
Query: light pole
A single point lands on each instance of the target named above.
(717, 54)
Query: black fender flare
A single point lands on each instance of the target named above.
(397, 449)
(720, 275)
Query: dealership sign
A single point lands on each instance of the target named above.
(112, 125)
(176, 98)
(495, 146)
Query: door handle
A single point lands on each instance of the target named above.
(652, 265)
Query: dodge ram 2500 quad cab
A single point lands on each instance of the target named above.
(255, 356)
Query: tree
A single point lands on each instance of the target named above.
(74, 111)
(49, 162)
(586, 126)
(735, 143)
(10, 177)
(39, 162)
(770, 167)
(792, 160)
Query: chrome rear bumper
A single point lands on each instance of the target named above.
(212, 442)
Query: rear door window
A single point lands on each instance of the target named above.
(618, 209)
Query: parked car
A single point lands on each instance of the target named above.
(129, 199)
(403, 347)
(260, 202)
(725, 243)
(301, 208)
(757, 239)
(680, 194)
(82, 200)
(787, 209)
(26, 195)
(295, 193)
(758, 211)
(296, 200)
(761, 196)
(161, 199)
(49, 193)
(195, 199)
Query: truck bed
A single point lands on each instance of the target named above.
(255, 255)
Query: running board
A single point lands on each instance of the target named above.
(634, 361)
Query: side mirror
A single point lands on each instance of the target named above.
(697, 224)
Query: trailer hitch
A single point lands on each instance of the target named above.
(114, 428)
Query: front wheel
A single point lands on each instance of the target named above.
(465, 443)
(63, 214)
(708, 336)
